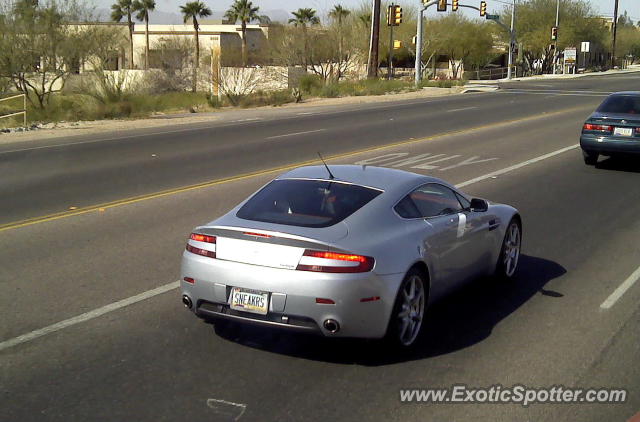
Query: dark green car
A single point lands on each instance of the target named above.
(613, 129)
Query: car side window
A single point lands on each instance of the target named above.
(433, 199)
(463, 201)
(407, 209)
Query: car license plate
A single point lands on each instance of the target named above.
(247, 300)
(623, 131)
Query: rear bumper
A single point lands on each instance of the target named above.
(607, 146)
(292, 296)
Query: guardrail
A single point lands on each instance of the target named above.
(18, 112)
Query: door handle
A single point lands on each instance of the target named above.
(493, 224)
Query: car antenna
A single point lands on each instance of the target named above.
(326, 166)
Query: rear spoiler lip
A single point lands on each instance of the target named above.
(279, 238)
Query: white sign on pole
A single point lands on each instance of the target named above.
(570, 55)
(584, 46)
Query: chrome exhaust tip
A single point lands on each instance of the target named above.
(186, 300)
(331, 325)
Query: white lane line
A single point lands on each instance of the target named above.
(227, 408)
(575, 91)
(167, 287)
(515, 167)
(390, 104)
(88, 315)
(556, 94)
(250, 119)
(296, 133)
(460, 109)
(141, 135)
(622, 289)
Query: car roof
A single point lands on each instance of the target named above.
(626, 93)
(376, 177)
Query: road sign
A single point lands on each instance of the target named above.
(584, 46)
(570, 55)
(493, 17)
(397, 45)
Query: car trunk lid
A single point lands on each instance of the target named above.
(262, 244)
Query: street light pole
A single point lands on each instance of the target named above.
(418, 65)
(511, 40)
(555, 47)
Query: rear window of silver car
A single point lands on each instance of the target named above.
(306, 203)
(623, 104)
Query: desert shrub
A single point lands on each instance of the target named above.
(310, 84)
(267, 98)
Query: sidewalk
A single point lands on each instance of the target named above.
(631, 69)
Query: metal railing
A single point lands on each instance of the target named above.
(491, 73)
(17, 112)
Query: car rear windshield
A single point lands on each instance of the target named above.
(306, 203)
(623, 104)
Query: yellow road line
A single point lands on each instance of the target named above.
(126, 201)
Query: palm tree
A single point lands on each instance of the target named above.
(119, 10)
(192, 11)
(142, 8)
(365, 19)
(339, 13)
(302, 18)
(245, 12)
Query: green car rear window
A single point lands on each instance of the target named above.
(621, 104)
(306, 203)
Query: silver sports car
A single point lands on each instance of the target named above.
(346, 251)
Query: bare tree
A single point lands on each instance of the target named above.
(38, 51)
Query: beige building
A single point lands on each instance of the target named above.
(169, 44)
(213, 35)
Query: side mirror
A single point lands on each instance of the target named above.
(479, 205)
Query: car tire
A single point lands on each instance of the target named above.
(509, 257)
(590, 158)
(407, 317)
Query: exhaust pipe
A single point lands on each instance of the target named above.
(186, 300)
(331, 325)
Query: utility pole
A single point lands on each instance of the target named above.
(511, 40)
(372, 67)
(615, 29)
(555, 47)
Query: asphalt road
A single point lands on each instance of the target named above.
(152, 360)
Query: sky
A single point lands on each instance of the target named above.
(603, 7)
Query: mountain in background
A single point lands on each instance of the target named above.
(167, 18)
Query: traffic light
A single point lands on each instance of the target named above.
(454, 5)
(554, 33)
(483, 8)
(397, 15)
(442, 5)
(394, 15)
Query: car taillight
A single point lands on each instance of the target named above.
(204, 238)
(334, 262)
(599, 128)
